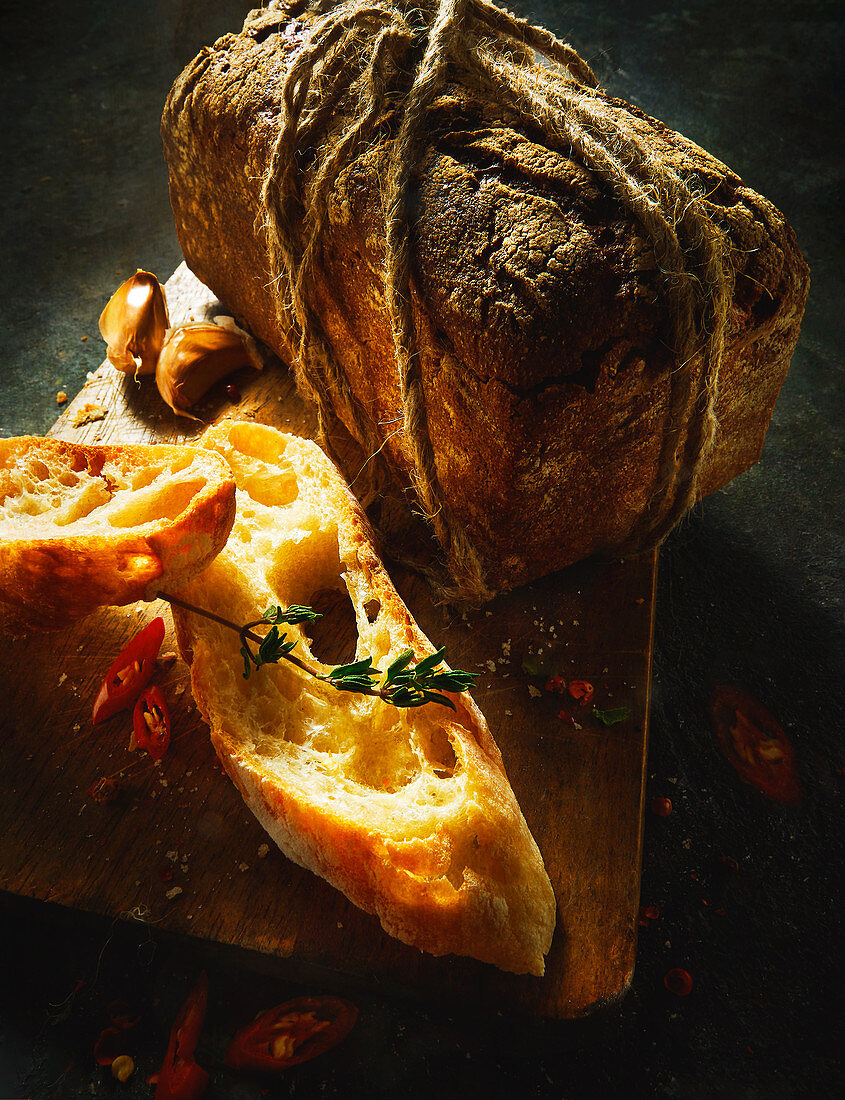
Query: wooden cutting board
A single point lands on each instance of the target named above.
(180, 851)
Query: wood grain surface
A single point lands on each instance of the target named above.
(180, 851)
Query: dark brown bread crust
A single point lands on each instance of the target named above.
(537, 301)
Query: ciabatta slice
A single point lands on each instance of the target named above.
(407, 811)
(86, 526)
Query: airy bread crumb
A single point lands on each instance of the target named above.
(407, 811)
(87, 526)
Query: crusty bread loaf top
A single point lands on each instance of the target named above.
(545, 365)
(87, 526)
(407, 811)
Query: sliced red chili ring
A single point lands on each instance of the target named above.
(130, 672)
(754, 744)
(582, 690)
(180, 1078)
(290, 1033)
(151, 723)
(678, 981)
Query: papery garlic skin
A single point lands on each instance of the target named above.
(193, 358)
(134, 324)
(250, 343)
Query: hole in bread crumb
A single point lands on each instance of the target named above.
(438, 751)
(303, 564)
(455, 875)
(144, 477)
(272, 487)
(333, 638)
(168, 503)
(256, 441)
(181, 462)
(371, 609)
(257, 457)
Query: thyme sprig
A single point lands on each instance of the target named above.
(405, 683)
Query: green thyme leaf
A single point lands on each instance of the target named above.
(273, 648)
(436, 697)
(247, 656)
(296, 613)
(365, 666)
(406, 697)
(397, 666)
(451, 681)
(611, 717)
(430, 663)
(352, 684)
(268, 646)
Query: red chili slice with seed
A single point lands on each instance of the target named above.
(130, 673)
(151, 723)
(582, 691)
(755, 745)
(290, 1033)
(180, 1077)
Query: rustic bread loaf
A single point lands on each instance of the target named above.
(407, 811)
(86, 526)
(539, 304)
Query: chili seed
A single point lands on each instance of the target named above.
(122, 1067)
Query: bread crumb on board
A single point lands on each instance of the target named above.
(88, 414)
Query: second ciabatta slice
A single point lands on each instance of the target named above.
(407, 811)
(83, 526)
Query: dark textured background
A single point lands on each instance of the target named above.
(750, 593)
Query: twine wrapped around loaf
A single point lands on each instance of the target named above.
(393, 58)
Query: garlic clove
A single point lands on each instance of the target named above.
(250, 343)
(134, 323)
(193, 358)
